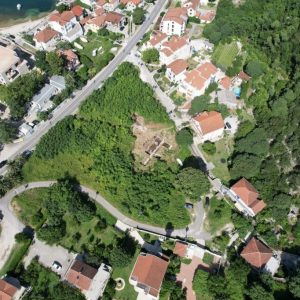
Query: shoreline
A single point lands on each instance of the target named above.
(25, 24)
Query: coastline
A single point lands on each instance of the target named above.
(20, 25)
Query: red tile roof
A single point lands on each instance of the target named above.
(7, 291)
(177, 15)
(225, 82)
(157, 37)
(113, 17)
(249, 195)
(81, 275)
(178, 66)
(62, 18)
(180, 249)
(242, 75)
(150, 270)
(77, 10)
(135, 2)
(209, 121)
(45, 35)
(174, 44)
(256, 253)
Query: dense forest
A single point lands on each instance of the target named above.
(267, 152)
(96, 147)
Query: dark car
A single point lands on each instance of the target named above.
(26, 153)
(50, 116)
(3, 163)
(228, 125)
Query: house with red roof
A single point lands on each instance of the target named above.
(78, 12)
(247, 198)
(66, 23)
(197, 80)
(210, 125)
(108, 5)
(176, 69)
(192, 7)
(174, 21)
(256, 253)
(90, 281)
(147, 275)
(177, 47)
(156, 40)
(131, 5)
(70, 57)
(10, 289)
(46, 39)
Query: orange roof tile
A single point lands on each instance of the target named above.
(45, 35)
(242, 75)
(113, 17)
(150, 270)
(157, 37)
(178, 66)
(177, 14)
(77, 10)
(256, 253)
(180, 249)
(81, 275)
(7, 291)
(207, 70)
(175, 43)
(207, 16)
(249, 195)
(209, 121)
(225, 82)
(135, 2)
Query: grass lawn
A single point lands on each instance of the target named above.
(219, 214)
(15, 257)
(225, 54)
(128, 293)
(29, 202)
(177, 98)
(224, 148)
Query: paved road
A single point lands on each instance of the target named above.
(70, 106)
(11, 225)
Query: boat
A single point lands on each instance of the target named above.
(19, 6)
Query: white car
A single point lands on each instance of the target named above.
(56, 266)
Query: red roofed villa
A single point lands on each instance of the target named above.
(256, 253)
(210, 124)
(176, 69)
(147, 275)
(180, 249)
(247, 198)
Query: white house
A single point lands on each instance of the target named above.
(131, 5)
(207, 16)
(156, 40)
(66, 23)
(246, 198)
(176, 69)
(176, 48)
(108, 5)
(89, 2)
(174, 21)
(192, 7)
(46, 39)
(197, 80)
(210, 125)
(11, 66)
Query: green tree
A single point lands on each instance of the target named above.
(254, 69)
(258, 292)
(150, 56)
(199, 104)
(8, 132)
(209, 148)
(56, 63)
(294, 284)
(40, 60)
(138, 16)
(193, 183)
(245, 165)
(184, 137)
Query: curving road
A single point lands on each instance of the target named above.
(11, 225)
(69, 106)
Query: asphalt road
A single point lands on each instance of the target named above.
(12, 225)
(70, 106)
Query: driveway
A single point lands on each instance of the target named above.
(48, 254)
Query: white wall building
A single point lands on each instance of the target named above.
(175, 70)
(175, 48)
(174, 21)
(46, 39)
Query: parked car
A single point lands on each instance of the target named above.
(228, 125)
(56, 266)
(189, 205)
(3, 163)
(26, 153)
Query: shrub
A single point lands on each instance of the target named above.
(209, 148)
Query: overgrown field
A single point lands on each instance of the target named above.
(96, 147)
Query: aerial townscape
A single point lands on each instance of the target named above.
(150, 149)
